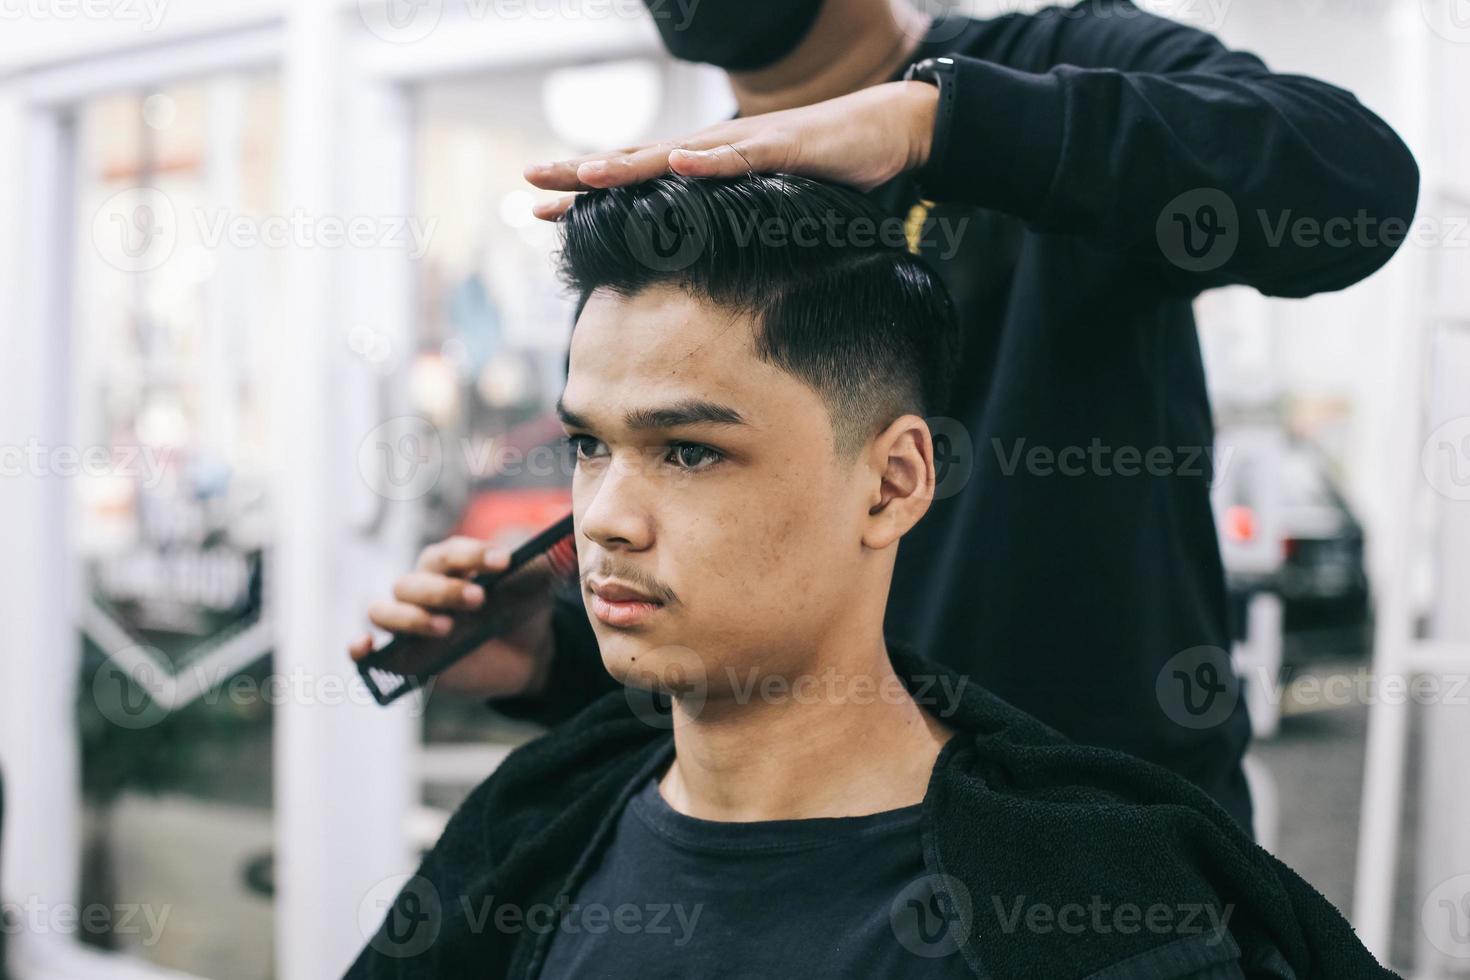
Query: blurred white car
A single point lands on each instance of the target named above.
(1285, 528)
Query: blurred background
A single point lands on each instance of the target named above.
(276, 314)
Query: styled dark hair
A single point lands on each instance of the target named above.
(838, 300)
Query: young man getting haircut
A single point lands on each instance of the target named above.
(750, 372)
(1076, 174)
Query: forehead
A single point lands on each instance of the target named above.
(664, 344)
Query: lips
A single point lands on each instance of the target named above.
(618, 592)
(621, 605)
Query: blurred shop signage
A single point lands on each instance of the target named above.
(181, 609)
(188, 590)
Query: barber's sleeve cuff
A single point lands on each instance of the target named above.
(997, 138)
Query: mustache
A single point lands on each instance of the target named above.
(631, 575)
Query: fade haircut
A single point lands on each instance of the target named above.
(837, 301)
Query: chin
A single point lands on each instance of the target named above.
(644, 662)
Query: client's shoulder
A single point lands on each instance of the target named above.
(1014, 754)
(1038, 834)
(573, 767)
(513, 838)
(1005, 767)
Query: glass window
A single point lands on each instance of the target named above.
(171, 299)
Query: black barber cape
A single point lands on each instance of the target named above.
(1016, 819)
(1069, 562)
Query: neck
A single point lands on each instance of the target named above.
(845, 739)
(875, 39)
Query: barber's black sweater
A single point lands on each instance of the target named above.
(1015, 817)
(1099, 167)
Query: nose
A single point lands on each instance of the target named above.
(615, 516)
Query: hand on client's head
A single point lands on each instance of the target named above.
(813, 82)
(862, 139)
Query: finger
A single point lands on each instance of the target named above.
(553, 210)
(403, 617)
(461, 555)
(561, 175)
(619, 170)
(441, 592)
(360, 647)
(696, 156)
(728, 159)
(558, 176)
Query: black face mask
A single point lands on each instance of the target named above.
(737, 35)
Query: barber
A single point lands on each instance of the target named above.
(1076, 176)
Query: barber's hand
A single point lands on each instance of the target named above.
(862, 139)
(425, 600)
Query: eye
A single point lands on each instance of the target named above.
(582, 447)
(692, 456)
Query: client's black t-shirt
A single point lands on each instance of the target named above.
(676, 896)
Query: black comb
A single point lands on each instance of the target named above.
(406, 662)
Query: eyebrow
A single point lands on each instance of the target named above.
(688, 411)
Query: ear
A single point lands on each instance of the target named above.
(901, 459)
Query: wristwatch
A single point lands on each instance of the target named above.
(938, 72)
(931, 70)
